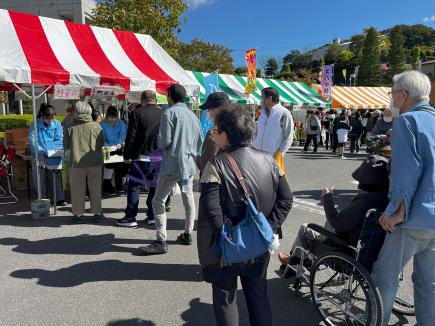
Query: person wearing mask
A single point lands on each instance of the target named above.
(85, 140)
(312, 129)
(383, 124)
(409, 218)
(50, 139)
(366, 116)
(342, 131)
(221, 196)
(275, 127)
(326, 125)
(356, 130)
(96, 116)
(214, 104)
(335, 124)
(114, 134)
(142, 155)
(180, 137)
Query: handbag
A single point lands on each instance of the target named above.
(251, 237)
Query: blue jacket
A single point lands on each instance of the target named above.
(49, 137)
(114, 135)
(412, 176)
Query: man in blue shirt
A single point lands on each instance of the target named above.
(114, 130)
(410, 216)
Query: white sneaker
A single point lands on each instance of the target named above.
(343, 158)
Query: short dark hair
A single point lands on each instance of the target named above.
(272, 92)
(148, 95)
(176, 92)
(46, 110)
(237, 123)
(95, 114)
(112, 111)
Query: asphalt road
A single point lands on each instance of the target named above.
(55, 273)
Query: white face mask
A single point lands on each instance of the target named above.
(394, 109)
(388, 119)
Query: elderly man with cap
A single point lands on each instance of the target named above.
(214, 104)
(275, 126)
(180, 137)
(140, 142)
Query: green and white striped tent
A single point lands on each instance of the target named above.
(294, 94)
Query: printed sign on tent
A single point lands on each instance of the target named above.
(251, 63)
(66, 92)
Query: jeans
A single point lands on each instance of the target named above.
(398, 248)
(133, 193)
(308, 141)
(163, 190)
(354, 143)
(46, 177)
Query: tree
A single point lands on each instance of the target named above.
(241, 71)
(159, 18)
(345, 57)
(271, 67)
(396, 54)
(370, 64)
(286, 72)
(415, 57)
(199, 55)
(333, 53)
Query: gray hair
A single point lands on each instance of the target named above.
(415, 83)
(83, 108)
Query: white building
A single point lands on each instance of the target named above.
(78, 11)
(319, 53)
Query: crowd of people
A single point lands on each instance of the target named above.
(165, 148)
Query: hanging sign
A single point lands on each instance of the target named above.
(66, 92)
(251, 63)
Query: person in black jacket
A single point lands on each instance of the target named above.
(372, 177)
(222, 198)
(140, 142)
(355, 131)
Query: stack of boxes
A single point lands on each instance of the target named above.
(19, 138)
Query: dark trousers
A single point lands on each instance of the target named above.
(328, 139)
(119, 170)
(150, 197)
(308, 141)
(133, 193)
(363, 136)
(335, 142)
(354, 143)
(254, 285)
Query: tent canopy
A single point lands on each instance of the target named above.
(291, 93)
(44, 51)
(359, 97)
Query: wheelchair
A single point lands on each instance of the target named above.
(338, 275)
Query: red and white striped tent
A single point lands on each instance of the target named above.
(44, 51)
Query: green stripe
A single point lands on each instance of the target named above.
(225, 88)
(281, 93)
(243, 83)
(294, 94)
(315, 95)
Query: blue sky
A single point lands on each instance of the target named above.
(276, 26)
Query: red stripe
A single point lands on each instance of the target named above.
(46, 69)
(143, 61)
(94, 55)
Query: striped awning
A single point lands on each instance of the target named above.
(44, 51)
(359, 97)
(291, 93)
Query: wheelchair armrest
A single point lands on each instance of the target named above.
(330, 235)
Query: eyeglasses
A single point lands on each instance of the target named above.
(390, 94)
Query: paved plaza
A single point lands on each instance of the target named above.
(56, 273)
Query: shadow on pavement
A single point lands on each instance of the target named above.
(131, 322)
(84, 244)
(341, 197)
(111, 270)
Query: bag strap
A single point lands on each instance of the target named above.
(236, 170)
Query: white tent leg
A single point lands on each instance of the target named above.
(20, 107)
(35, 129)
(3, 108)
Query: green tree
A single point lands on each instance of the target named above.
(333, 53)
(286, 72)
(259, 73)
(396, 54)
(345, 57)
(241, 70)
(199, 55)
(415, 57)
(370, 71)
(271, 67)
(161, 19)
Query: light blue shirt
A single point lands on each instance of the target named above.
(412, 177)
(114, 135)
(49, 137)
(180, 136)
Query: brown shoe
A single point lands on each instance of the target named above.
(283, 258)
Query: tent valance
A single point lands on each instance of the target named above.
(44, 51)
(359, 97)
(291, 93)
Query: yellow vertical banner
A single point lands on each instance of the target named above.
(251, 62)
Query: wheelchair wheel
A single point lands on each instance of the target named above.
(343, 292)
(404, 302)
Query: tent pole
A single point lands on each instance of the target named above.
(20, 107)
(35, 139)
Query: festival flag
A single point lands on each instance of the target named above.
(211, 84)
(344, 71)
(327, 81)
(251, 62)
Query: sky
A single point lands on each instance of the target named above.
(274, 27)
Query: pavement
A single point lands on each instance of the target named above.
(56, 273)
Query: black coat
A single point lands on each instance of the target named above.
(142, 132)
(357, 127)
